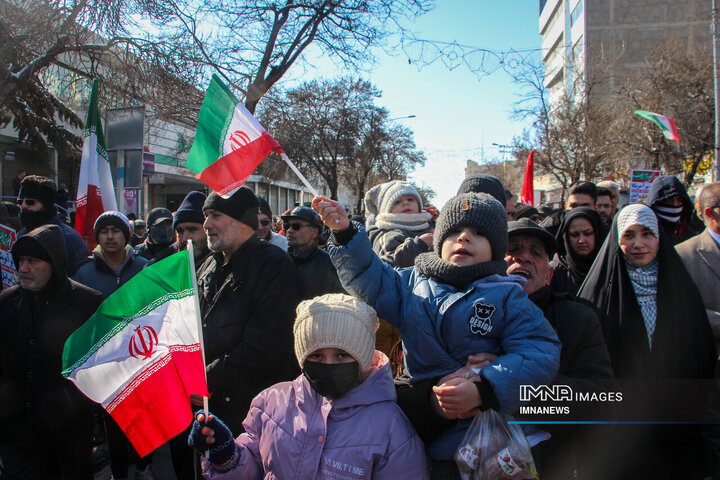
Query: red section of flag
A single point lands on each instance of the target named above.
(88, 210)
(230, 172)
(674, 130)
(155, 406)
(528, 193)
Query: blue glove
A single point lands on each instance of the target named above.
(222, 450)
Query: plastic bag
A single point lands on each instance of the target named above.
(494, 450)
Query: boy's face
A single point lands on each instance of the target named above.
(406, 204)
(466, 246)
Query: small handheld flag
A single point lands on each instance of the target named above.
(140, 354)
(666, 124)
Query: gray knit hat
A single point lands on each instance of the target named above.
(336, 320)
(381, 198)
(478, 210)
(482, 183)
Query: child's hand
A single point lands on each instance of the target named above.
(479, 360)
(332, 213)
(457, 396)
(427, 238)
(214, 436)
(432, 211)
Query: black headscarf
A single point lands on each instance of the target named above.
(575, 265)
(682, 344)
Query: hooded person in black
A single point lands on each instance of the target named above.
(45, 422)
(571, 264)
(671, 203)
(661, 348)
(160, 239)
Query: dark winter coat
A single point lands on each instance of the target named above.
(38, 403)
(248, 311)
(154, 251)
(96, 273)
(75, 249)
(397, 247)
(316, 273)
(666, 187)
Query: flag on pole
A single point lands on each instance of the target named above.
(229, 142)
(95, 193)
(666, 124)
(140, 355)
(528, 192)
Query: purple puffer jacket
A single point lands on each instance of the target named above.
(294, 433)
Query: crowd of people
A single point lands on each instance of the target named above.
(364, 347)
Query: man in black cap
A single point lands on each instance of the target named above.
(159, 242)
(248, 294)
(188, 223)
(37, 203)
(316, 273)
(45, 422)
(265, 231)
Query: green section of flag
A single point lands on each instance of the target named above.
(93, 124)
(642, 176)
(215, 115)
(155, 285)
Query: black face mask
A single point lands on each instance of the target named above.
(162, 235)
(32, 220)
(332, 380)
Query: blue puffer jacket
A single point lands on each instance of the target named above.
(441, 326)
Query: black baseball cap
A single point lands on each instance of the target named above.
(304, 213)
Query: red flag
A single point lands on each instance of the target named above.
(528, 193)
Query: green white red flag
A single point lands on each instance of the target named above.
(95, 193)
(140, 354)
(666, 124)
(229, 142)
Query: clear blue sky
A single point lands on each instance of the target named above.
(457, 114)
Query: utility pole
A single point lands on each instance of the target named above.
(716, 76)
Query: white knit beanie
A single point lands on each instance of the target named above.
(381, 198)
(336, 320)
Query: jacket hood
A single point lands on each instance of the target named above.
(666, 187)
(377, 387)
(51, 240)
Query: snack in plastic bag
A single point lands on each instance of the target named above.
(494, 450)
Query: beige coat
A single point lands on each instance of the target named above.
(701, 256)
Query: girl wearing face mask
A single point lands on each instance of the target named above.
(660, 344)
(338, 418)
(579, 239)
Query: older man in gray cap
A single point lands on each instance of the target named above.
(248, 294)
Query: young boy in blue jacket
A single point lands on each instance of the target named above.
(455, 302)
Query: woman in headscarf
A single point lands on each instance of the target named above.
(660, 345)
(579, 239)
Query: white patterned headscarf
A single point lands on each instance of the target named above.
(637, 214)
(644, 279)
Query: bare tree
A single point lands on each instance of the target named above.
(334, 129)
(677, 84)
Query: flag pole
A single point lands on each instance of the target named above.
(300, 175)
(193, 277)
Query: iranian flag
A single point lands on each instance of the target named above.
(229, 142)
(95, 193)
(140, 354)
(666, 124)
